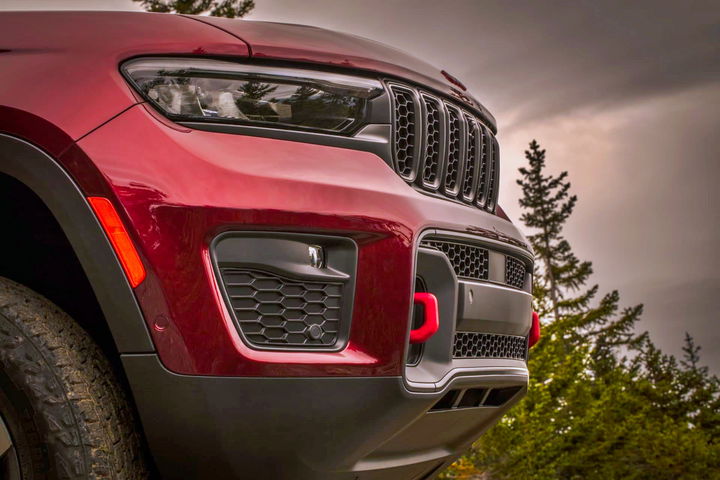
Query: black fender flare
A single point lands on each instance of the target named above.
(60, 194)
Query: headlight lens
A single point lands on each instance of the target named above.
(221, 91)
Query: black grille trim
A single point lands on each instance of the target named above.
(279, 312)
(440, 147)
(468, 261)
(489, 345)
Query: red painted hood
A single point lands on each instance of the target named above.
(282, 41)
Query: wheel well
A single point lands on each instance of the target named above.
(35, 252)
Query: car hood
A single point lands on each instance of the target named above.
(281, 41)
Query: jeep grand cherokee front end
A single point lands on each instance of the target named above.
(297, 249)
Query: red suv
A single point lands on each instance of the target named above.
(238, 249)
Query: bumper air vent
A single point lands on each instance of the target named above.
(475, 397)
(473, 263)
(488, 345)
(468, 261)
(515, 271)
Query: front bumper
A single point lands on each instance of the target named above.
(330, 428)
(233, 411)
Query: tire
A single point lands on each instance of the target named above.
(66, 413)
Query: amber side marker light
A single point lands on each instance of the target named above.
(119, 238)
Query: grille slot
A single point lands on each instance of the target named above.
(515, 271)
(274, 311)
(489, 345)
(434, 119)
(470, 178)
(438, 146)
(493, 168)
(405, 127)
(468, 261)
(454, 153)
(485, 148)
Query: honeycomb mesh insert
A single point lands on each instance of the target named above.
(274, 311)
(431, 163)
(404, 119)
(468, 261)
(453, 156)
(492, 174)
(470, 163)
(515, 271)
(489, 345)
(482, 192)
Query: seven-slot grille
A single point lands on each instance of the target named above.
(441, 148)
(278, 312)
(489, 345)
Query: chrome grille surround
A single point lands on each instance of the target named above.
(442, 148)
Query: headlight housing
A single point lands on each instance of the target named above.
(217, 91)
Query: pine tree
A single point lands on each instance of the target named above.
(215, 8)
(548, 204)
(603, 402)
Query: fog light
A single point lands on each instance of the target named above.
(317, 256)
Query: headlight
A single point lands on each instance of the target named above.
(221, 91)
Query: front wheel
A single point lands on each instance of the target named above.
(63, 415)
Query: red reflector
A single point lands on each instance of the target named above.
(534, 335)
(119, 238)
(432, 318)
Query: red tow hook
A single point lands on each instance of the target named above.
(534, 334)
(432, 318)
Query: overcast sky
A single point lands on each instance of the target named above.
(623, 95)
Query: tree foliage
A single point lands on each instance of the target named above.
(215, 8)
(603, 401)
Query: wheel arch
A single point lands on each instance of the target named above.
(48, 180)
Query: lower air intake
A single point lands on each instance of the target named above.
(488, 345)
(274, 311)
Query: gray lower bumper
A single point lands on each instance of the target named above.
(304, 428)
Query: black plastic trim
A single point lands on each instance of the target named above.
(373, 138)
(44, 176)
(280, 253)
(303, 428)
